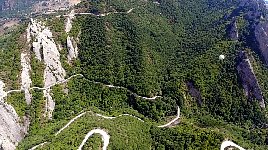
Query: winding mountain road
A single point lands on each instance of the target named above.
(99, 115)
(226, 144)
(37, 146)
(47, 87)
(172, 121)
(101, 15)
(105, 138)
(66, 80)
(103, 133)
(107, 117)
(70, 122)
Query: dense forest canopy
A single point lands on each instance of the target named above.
(168, 49)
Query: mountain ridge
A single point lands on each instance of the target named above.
(143, 59)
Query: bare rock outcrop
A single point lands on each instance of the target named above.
(257, 39)
(232, 30)
(25, 76)
(261, 35)
(68, 25)
(46, 50)
(71, 44)
(11, 131)
(72, 49)
(3, 94)
(10, 128)
(194, 92)
(249, 81)
(26, 81)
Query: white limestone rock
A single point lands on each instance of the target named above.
(25, 77)
(46, 51)
(2, 92)
(28, 35)
(10, 129)
(72, 51)
(71, 45)
(50, 104)
(68, 25)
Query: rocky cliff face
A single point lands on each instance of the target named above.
(46, 51)
(248, 79)
(261, 35)
(232, 30)
(11, 131)
(258, 28)
(71, 44)
(194, 92)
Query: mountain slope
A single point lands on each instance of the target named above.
(121, 68)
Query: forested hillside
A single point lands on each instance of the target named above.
(158, 49)
(140, 64)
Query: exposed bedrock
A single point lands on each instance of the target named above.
(248, 79)
(72, 49)
(254, 8)
(71, 44)
(262, 40)
(232, 30)
(11, 131)
(46, 51)
(194, 92)
(25, 76)
(3, 94)
(256, 38)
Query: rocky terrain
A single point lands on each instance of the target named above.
(262, 38)
(71, 44)
(25, 76)
(232, 30)
(257, 41)
(46, 51)
(194, 92)
(133, 42)
(249, 81)
(11, 129)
